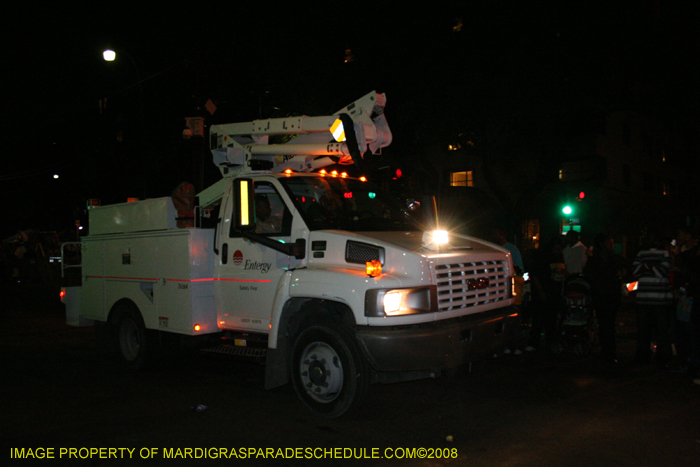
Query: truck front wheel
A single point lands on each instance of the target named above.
(329, 373)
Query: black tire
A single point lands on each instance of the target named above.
(133, 340)
(329, 372)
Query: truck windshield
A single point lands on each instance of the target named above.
(348, 204)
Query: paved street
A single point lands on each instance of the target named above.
(63, 399)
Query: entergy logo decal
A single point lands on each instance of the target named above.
(250, 265)
(238, 258)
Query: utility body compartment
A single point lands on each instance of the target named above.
(168, 274)
(141, 216)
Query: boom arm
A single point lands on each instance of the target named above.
(241, 147)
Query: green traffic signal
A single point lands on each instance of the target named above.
(567, 210)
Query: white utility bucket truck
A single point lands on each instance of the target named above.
(324, 278)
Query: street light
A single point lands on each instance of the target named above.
(109, 55)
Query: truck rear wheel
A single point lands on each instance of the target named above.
(329, 372)
(132, 340)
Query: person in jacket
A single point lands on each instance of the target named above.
(547, 273)
(651, 267)
(603, 272)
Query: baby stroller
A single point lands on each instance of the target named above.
(577, 324)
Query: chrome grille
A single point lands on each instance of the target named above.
(470, 284)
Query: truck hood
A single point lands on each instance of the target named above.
(405, 255)
(413, 242)
(337, 256)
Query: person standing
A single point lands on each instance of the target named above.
(685, 239)
(651, 267)
(687, 282)
(547, 273)
(575, 253)
(603, 273)
(500, 238)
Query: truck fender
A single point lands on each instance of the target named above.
(297, 313)
(276, 368)
(281, 298)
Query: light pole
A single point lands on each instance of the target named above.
(110, 55)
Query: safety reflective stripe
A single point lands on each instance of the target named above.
(338, 131)
(176, 280)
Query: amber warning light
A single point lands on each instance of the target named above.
(373, 268)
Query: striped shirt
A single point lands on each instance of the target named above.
(651, 268)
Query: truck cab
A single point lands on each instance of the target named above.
(389, 300)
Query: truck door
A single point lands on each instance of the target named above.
(248, 272)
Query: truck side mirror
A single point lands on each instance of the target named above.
(244, 197)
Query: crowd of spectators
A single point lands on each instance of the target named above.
(666, 271)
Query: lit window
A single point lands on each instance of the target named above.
(465, 178)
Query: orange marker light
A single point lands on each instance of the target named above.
(373, 268)
(197, 327)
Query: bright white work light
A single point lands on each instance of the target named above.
(440, 237)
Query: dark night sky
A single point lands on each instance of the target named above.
(252, 59)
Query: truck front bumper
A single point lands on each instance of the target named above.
(438, 345)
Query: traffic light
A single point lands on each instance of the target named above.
(570, 217)
(570, 208)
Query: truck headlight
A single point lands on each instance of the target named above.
(397, 302)
(392, 302)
